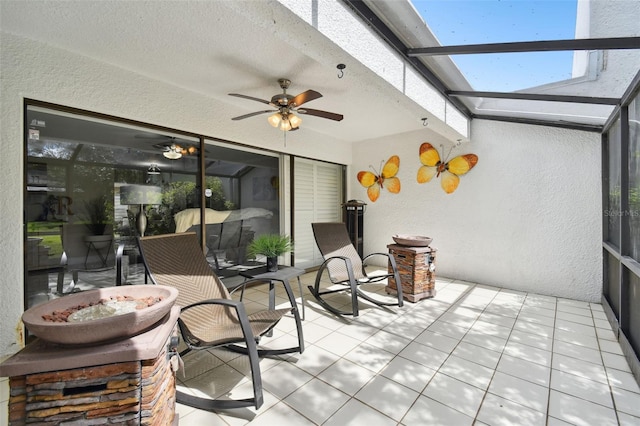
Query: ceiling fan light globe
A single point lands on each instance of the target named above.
(275, 119)
(295, 121)
(285, 125)
(172, 155)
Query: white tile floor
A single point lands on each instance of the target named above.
(473, 355)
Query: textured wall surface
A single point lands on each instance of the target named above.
(100, 74)
(527, 217)
(37, 71)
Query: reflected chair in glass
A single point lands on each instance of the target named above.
(209, 317)
(346, 268)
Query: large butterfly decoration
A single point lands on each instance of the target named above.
(386, 179)
(450, 171)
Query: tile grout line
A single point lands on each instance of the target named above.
(606, 372)
(353, 397)
(449, 308)
(553, 343)
(493, 374)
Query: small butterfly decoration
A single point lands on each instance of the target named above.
(386, 179)
(450, 170)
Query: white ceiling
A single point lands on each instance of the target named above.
(213, 48)
(218, 47)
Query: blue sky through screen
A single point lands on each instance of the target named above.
(457, 22)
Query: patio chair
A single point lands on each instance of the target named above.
(209, 318)
(346, 268)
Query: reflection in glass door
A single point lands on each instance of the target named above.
(242, 200)
(94, 185)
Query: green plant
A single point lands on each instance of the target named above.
(97, 210)
(270, 245)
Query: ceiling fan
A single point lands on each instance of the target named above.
(287, 106)
(172, 148)
(173, 151)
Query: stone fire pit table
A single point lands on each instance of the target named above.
(129, 381)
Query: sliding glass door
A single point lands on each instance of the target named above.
(242, 200)
(94, 184)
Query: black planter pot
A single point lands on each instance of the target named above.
(272, 264)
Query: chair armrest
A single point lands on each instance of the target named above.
(224, 302)
(343, 258)
(389, 257)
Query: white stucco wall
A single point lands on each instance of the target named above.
(527, 217)
(34, 70)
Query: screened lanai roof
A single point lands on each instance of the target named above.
(219, 47)
(602, 45)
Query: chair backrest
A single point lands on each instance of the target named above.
(177, 260)
(333, 239)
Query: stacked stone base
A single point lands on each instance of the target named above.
(127, 393)
(416, 266)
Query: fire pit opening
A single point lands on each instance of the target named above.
(84, 389)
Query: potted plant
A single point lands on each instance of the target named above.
(270, 246)
(97, 212)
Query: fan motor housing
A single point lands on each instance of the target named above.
(281, 99)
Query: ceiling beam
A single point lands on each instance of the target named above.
(629, 95)
(365, 13)
(412, 56)
(632, 91)
(530, 46)
(536, 97)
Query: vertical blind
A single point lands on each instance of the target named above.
(317, 198)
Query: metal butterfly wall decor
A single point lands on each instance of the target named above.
(385, 179)
(451, 170)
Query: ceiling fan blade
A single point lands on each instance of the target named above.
(241, 117)
(323, 114)
(155, 137)
(303, 97)
(238, 95)
(162, 146)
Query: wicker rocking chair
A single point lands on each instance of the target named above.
(209, 317)
(345, 267)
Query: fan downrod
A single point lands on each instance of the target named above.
(281, 100)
